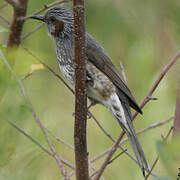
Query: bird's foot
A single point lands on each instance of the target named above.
(89, 116)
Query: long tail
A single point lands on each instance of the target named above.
(121, 111)
(132, 136)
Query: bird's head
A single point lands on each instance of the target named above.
(58, 20)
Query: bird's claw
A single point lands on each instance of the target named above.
(89, 116)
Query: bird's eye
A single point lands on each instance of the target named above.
(52, 19)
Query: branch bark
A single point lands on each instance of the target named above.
(81, 155)
(176, 129)
(20, 8)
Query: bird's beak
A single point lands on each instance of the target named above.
(38, 17)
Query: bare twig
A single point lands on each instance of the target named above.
(47, 7)
(156, 160)
(176, 130)
(153, 166)
(158, 80)
(123, 72)
(139, 132)
(105, 163)
(55, 155)
(59, 139)
(110, 161)
(168, 134)
(152, 126)
(29, 33)
(117, 156)
(111, 138)
(4, 19)
(38, 144)
(49, 68)
(29, 137)
(101, 127)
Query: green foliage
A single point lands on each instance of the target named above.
(169, 157)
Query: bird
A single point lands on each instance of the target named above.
(103, 80)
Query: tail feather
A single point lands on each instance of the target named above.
(121, 111)
(131, 133)
(136, 146)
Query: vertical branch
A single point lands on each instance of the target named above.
(20, 8)
(176, 129)
(81, 155)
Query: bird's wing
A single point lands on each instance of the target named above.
(98, 57)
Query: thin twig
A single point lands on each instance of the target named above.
(117, 156)
(100, 155)
(4, 19)
(59, 139)
(113, 140)
(55, 155)
(153, 166)
(105, 163)
(101, 127)
(29, 33)
(49, 68)
(38, 143)
(158, 80)
(139, 132)
(47, 7)
(68, 145)
(123, 72)
(152, 126)
(110, 161)
(157, 158)
(30, 137)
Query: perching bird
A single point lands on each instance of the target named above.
(104, 84)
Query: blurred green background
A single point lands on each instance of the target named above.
(145, 34)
